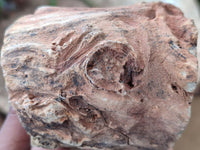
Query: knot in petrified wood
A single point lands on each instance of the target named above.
(118, 78)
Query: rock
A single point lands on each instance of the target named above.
(4, 106)
(116, 78)
(189, 7)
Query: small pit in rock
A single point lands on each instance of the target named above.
(174, 88)
(131, 73)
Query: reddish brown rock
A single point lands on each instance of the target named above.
(118, 78)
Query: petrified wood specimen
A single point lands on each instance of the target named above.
(119, 78)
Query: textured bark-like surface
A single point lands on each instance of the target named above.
(118, 78)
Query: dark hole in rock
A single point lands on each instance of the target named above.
(131, 71)
(174, 88)
(120, 91)
(130, 84)
(179, 46)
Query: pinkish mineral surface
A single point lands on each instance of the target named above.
(115, 78)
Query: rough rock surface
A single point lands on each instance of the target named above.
(116, 78)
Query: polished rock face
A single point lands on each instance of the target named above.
(118, 78)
